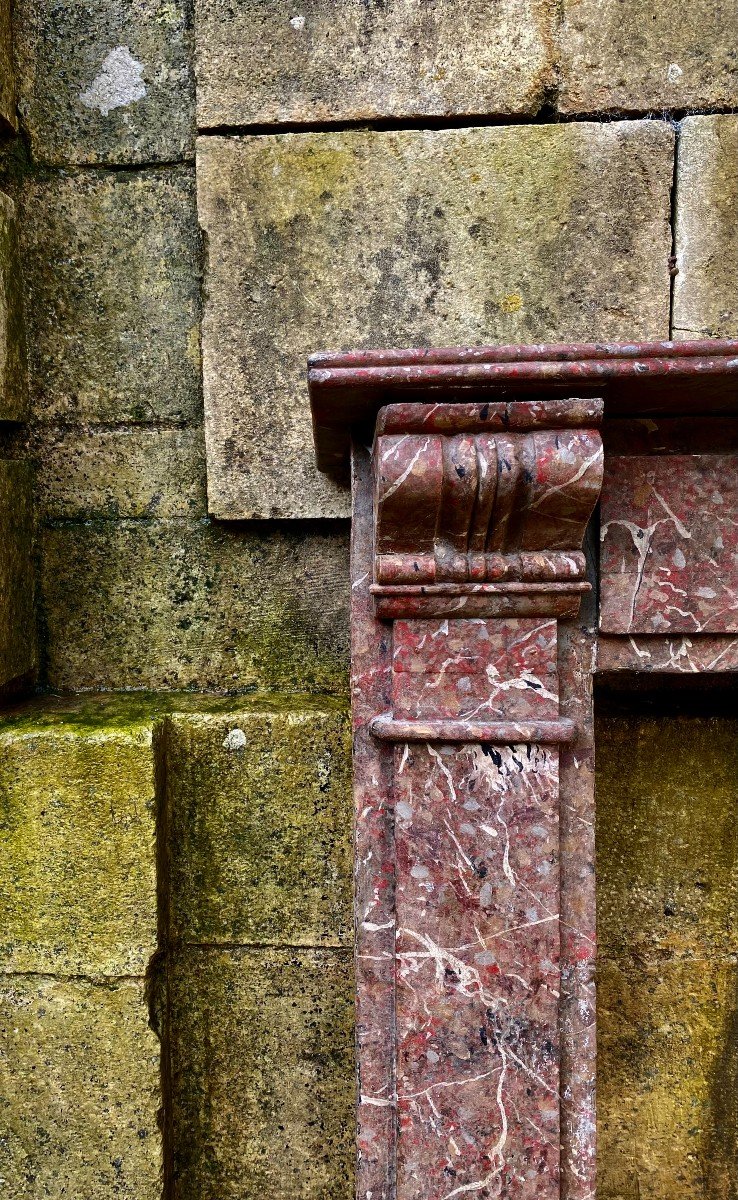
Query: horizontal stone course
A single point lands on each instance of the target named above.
(259, 827)
(79, 1090)
(705, 290)
(111, 263)
(636, 56)
(268, 61)
(190, 604)
(262, 1074)
(115, 473)
(106, 81)
(361, 238)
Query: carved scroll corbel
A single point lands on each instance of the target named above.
(468, 530)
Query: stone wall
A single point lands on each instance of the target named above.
(194, 198)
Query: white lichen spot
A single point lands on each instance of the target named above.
(119, 83)
(298, 22)
(235, 739)
(674, 73)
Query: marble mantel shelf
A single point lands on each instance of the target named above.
(478, 625)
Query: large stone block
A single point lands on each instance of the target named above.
(7, 72)
(77, 847)
(13, 371)
(112, 285)
(705, 290)
(270, 61)
(17, 616)
(79, 1090)
(259, 827)
(135, 472)
(263, 1075)
(667, 1059)
(334, 240)
(106, 81)
(188, 604)
(667, 789)
(634, 55)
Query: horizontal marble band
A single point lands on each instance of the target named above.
(409, 603)
(481, 568)
(489, 416)
(510, 587)
(501, 733)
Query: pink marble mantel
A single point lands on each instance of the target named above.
(474, 648)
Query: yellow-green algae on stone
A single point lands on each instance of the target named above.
(705, 288)
(79, 1090)
(262, 1074)
(193, 604)
(77, 847)
(17, 616)
(667, 863)
(419, 237)
(259, 827)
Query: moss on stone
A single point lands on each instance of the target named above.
(667, 865)
(77, 848)
(79, 1090)
(259, 834)
(263, 1074)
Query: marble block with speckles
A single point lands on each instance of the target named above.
(79, 1090)
(112, 293)
(705, 288)
(263, 1074)
(269, 61)
(625, 56)
(259, 820)
(77, 847)
(669, 533)
(362, 239)
(106, 81)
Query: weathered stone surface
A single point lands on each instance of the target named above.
(135, 472)
(324, 60)
(341, 240)
(17, 617)
(633, 55)
(705, 291)
(186, 604)
(77, 848)
(666, 793)
(259, 837)
(7, 73)
(106, 81)
(112, 295)
(13, 373)
(79, 1090)
(667, 1046)
(666, 1095)
(263, 1074)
